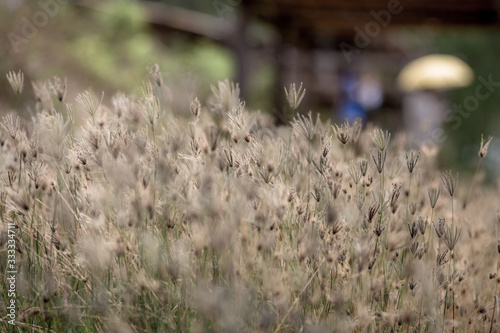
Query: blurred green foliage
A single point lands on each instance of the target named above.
(126, 47)
(198, 5)
(107, 48)
(481, 50)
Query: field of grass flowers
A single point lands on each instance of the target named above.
(146, 215)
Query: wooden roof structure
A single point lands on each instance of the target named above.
(339, 17)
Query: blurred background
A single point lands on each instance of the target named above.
(350, 56)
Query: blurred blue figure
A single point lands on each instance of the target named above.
(350, 109)
(359, 95)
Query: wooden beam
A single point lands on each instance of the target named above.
(175, 18)
(335, 17)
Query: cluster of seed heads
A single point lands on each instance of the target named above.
(230, 222)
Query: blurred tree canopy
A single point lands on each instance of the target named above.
(107, 48)
(481, 50)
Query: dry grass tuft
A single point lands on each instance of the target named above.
(142, 217)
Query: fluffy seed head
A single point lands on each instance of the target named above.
(440, 227)
(150, 104)
(225, 97)
(363, 166)
(434, 195)
(421, 224)
(154, 72)
(380, 159)
(450, 182)
(58, 87)
(16, 81)
(372, 210)
(306, 126)
(381, 139)
(396, 191)
(441, 257)
(11, 125)
(413, 207)
(343, 132)
(355, 172)
(378, 229)
(451, 237)
(195, 106)
(411, 160)
(413, 229)
(356, 129)
(87, 102)
(294, 96)
(484, 146)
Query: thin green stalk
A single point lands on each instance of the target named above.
(297, 299)
(375, 251)
(288, 156)
(444, 310)
(382, 201)
(32, 224)
(493, 314)
(452, 217)
(408, 199)
(452, 263)
(420, 311)
(20, 109)
(473, 183)
(155, 163)
(20, 168)
(430, 234)
(308, 175)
